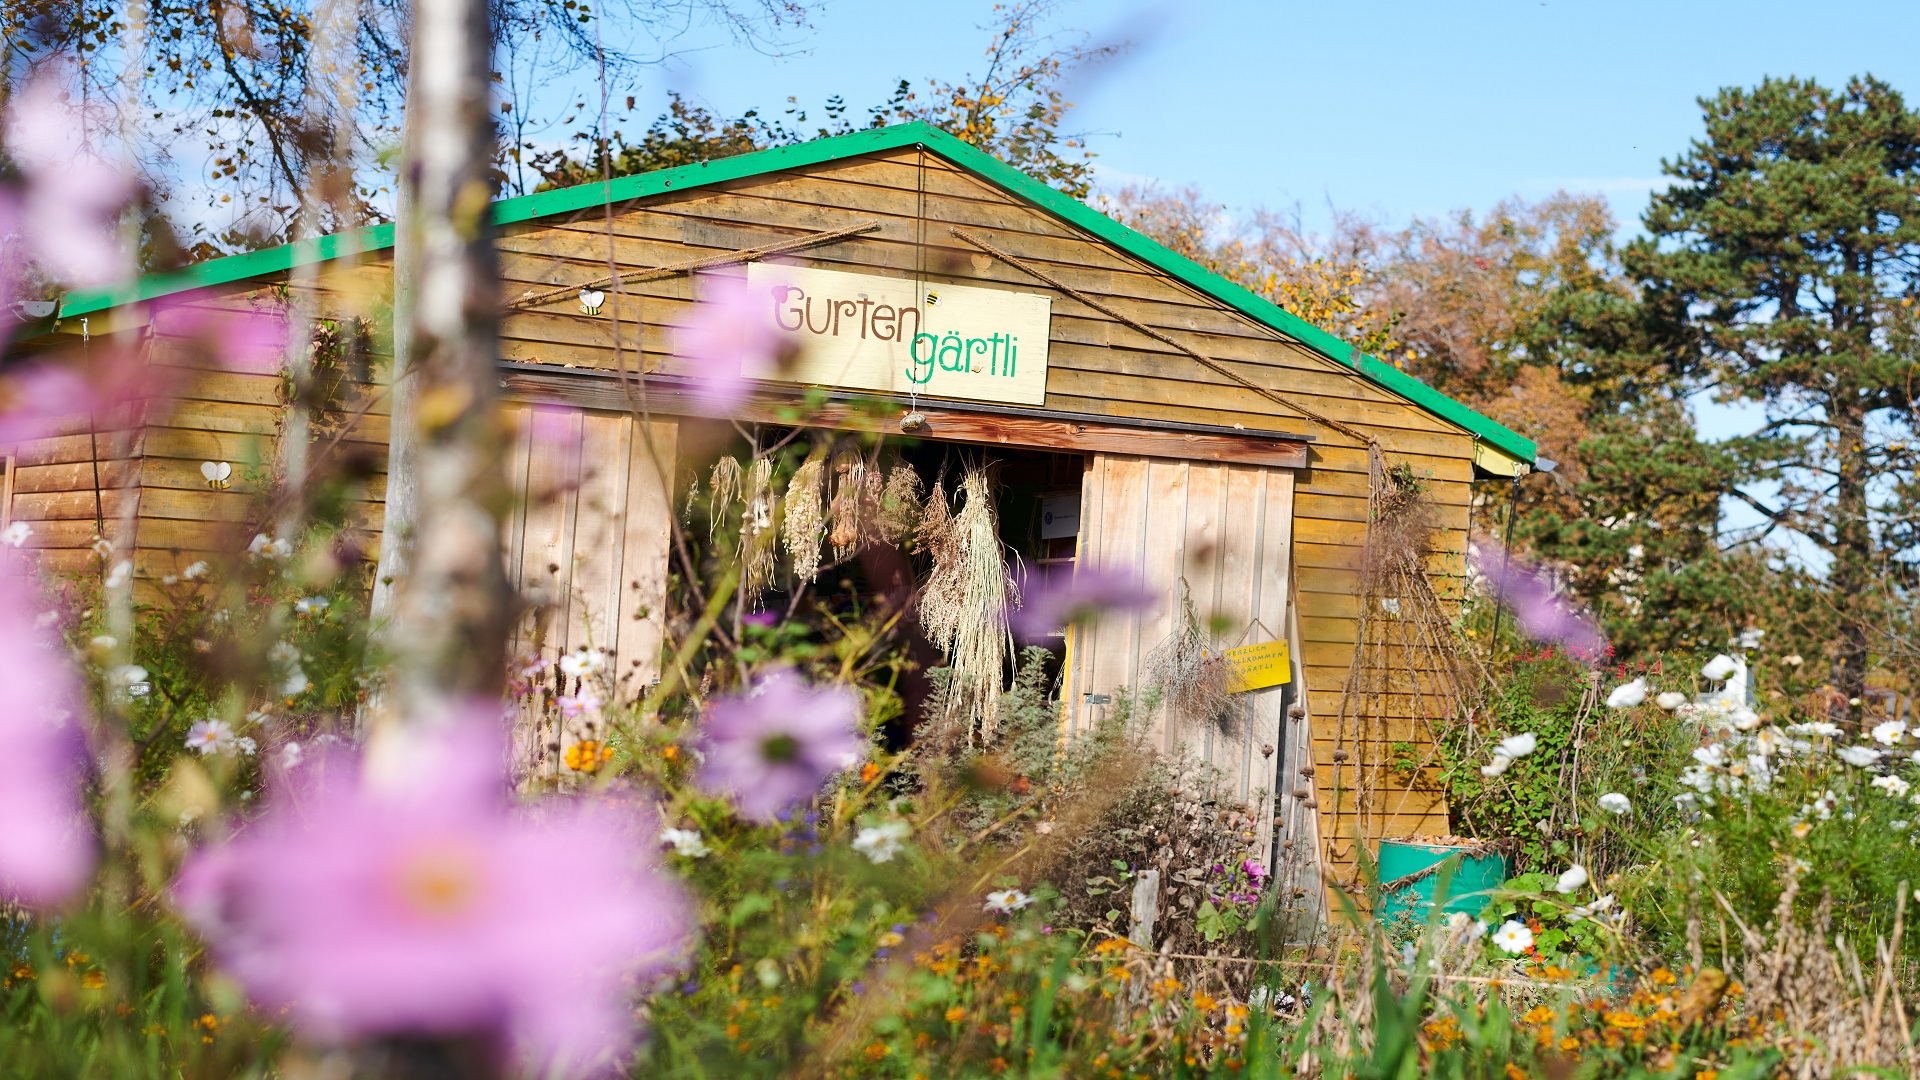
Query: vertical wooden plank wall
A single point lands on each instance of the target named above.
(1221, 536)
(587, 543)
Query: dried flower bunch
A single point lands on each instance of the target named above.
(804, 525)
(725, 483)
(1195, 678)
(758, 535)
(965, 603)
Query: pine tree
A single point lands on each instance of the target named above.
(1788, 255)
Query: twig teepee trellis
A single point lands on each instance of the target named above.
(1406, 648)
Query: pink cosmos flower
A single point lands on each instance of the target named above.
(731, 339)
(252, 342)
(1542, 613)
(74, 195)
(1091, 590)
(427, 904)
(46, 847)
(774, 746)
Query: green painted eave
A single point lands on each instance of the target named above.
(543, 204)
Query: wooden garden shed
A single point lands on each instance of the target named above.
(1213, 444)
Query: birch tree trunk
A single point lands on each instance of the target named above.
(451, 604)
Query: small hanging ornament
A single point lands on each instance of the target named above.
(591, 301)
(219, 474)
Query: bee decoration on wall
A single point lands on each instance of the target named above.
(219, 474)
(591, 300)
(933, 298)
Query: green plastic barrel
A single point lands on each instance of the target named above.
(1474, 877)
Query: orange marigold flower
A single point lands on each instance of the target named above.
(956, 1014)
(1663, 977)
(1539, 1014)
(1515, 1072)
(1625, 1020)
(1204, 1001)
(94, 980)
(876, 1051)
(869, 773)
(1569, 1044)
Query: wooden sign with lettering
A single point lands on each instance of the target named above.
(898, 335)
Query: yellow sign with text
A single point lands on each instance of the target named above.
(1256, 667)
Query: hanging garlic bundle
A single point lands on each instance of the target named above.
(802, 524)
(849, 503)
(964, 607)
(899, 505)
(726, 488)
(758, 537)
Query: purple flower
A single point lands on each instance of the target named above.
(1544, 615)
(74, 195)
(410, 901)
(1254, 870)
(1090, 591)
(46, 848)
(731, 339)
(774, 746)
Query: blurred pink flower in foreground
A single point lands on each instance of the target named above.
(46, 848)
(74, 194)
(1090, 591)
(432, 906)
(1540, 612)
(731, 339)
(775, 745)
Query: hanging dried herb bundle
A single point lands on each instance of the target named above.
(803, 524)
(726, 488)
(965, 603)
(1195, 679)
(758, 537)
(900, 505)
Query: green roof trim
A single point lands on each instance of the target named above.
(622, 189)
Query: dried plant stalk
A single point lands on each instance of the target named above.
(725, 483)
(900, 505)
(803, 524)
(1196, 681)
(964, 608)
(757, 533)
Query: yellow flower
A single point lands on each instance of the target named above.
(1539, 1014)
(956, 1014)
(1515, 1072)
(1663, 977)
(876, 1051)
(94, 980)
(1204, 1002)
(1625, 1020)
(587, 755)
(1801, 829)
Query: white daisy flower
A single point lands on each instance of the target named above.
(1671, 700)
(1575, 877)
(1513, 937)
(582, 662)
(686, 842)
(16, 534)
(1720, 668)
(880, 843)
(1889, 733)
(1859, 757)
(1615, 803)
(1007, 900)
(1892, 785)
(195, 569)
(121, 573)
(311, 605)
(1627, 695)
(1517, 746)
(210, 737)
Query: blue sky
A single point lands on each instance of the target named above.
(1396, 109)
